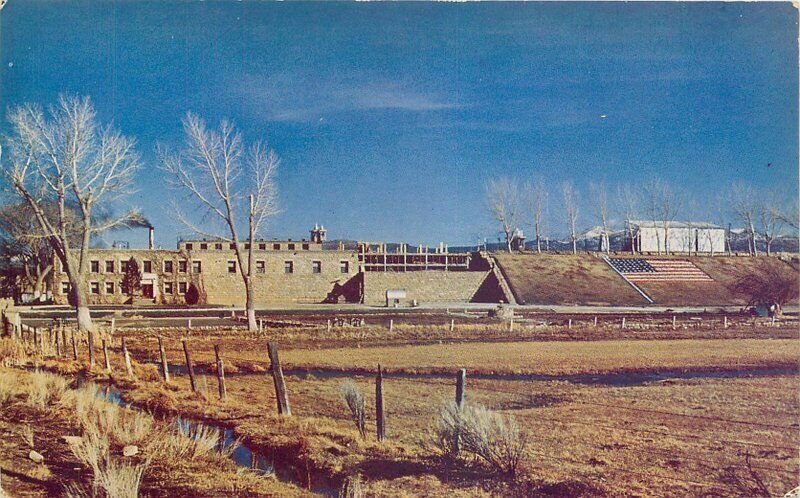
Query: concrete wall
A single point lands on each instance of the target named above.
(424, 286)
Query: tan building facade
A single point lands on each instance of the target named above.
(285, 272)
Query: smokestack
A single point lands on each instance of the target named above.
(152, 238)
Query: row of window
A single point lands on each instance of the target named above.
(288, 266)
(111, 287)
(261, 247)
(197, 266)
(147, 266)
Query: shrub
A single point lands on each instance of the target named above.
(354, 399)
(8, 388)
(45, 389)
(492, 437)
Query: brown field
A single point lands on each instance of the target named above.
(565, 279)
(595, 427)
(584, 279)
(724, 270)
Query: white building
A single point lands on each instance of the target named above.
(683, 237)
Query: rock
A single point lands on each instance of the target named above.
(36, 456)
(130, 450)
(71, 439)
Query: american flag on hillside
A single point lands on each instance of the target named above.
(659, 270)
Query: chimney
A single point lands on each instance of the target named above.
(152, 238)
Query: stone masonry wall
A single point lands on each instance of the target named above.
(424, 286)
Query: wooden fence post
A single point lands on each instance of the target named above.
(328, 326)
(569, 323)
(725, 322)
(189, 367)
(105, 355)
(223, 392)
(113, 325)
(595, 321)
(90, 341)
(280, 384)
(623, 322)
(58, 346)
(452, 324)
(63, 335)
(36, 340)
(380, 415)
(674, 323)
(127, 355)
(391, 324)
(74, 346)
(189, 324)
(511, 325)
(461, 387)
(164, 364)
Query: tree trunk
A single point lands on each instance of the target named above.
(252, 325)
(574, 245)
(85, 323)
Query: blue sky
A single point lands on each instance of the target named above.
(390, 118)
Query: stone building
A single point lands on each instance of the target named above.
(286, 272)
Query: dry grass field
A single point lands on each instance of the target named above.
(709, 419)
(566, 279)
(724, 270)
(584, 279)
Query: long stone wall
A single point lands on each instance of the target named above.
(423, 286)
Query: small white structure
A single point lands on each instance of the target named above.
(678, 236)
(394, 297)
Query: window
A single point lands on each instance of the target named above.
(147, 267)
(262, 247)
(277, 247)
(288, 267)
(123, 266)
(344, 266)
(197, 266)
(167, 266)
(168, 288)
(109, 267)
(231, 266)
(203, 246)
(218, 247)
(260, 267)
(95, 267)
(95, 287)
(109, 287)
(182, 287)
(189, 247)
(181, 266)
(65, 287)
(247, 245)
(291, 247)
(316, 267)
(233, 247)
(305, 247)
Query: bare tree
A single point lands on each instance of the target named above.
(629, 200)
(770, 218)
(502, 198)
(571, 212)
(744, 201)
(24, 242)
(65, 158)
(600, 195)
(535, 194)
(664, 203)
(219, 175)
